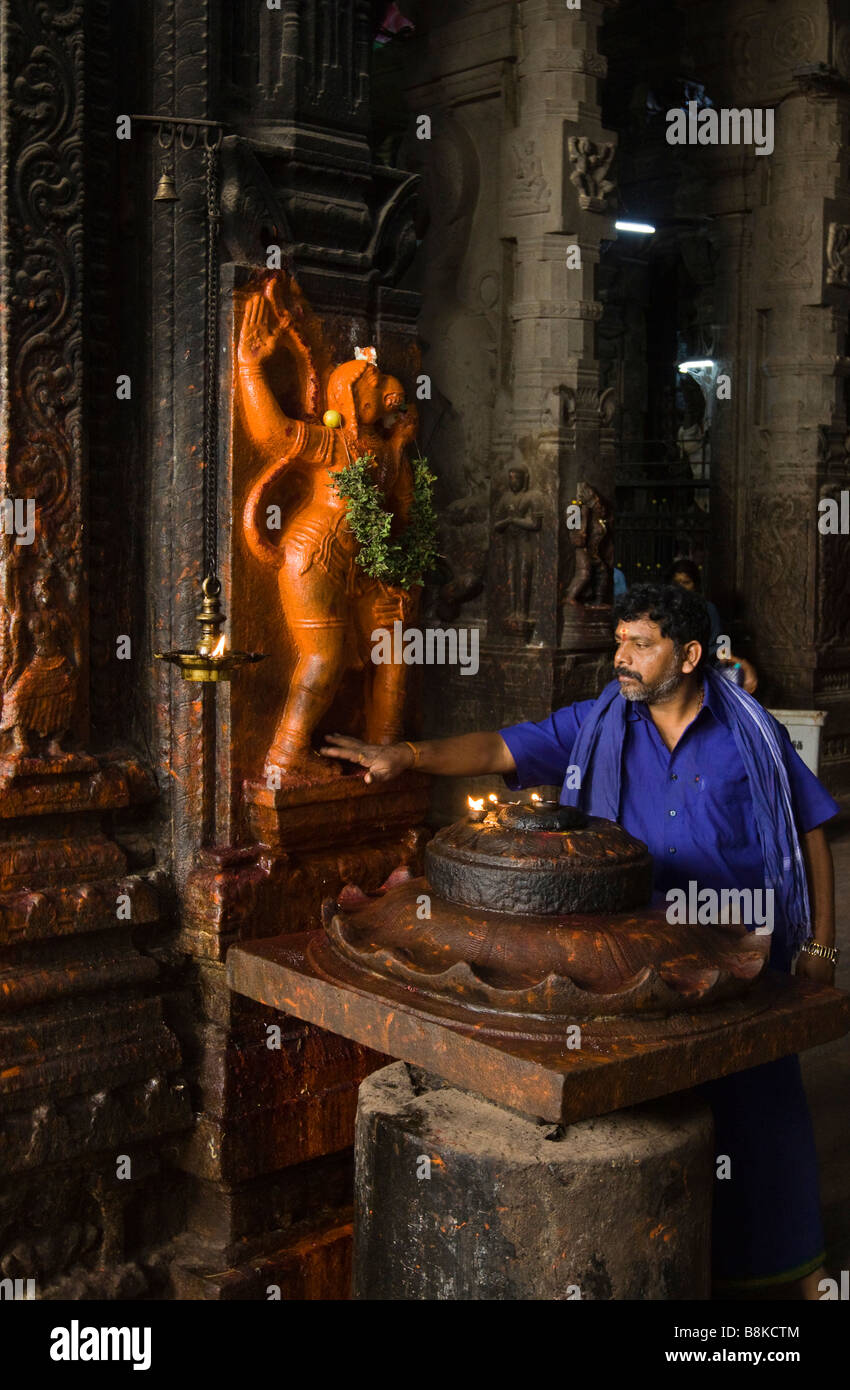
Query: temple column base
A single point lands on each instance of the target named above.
(460, 1199)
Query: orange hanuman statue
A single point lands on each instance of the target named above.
(327, 600)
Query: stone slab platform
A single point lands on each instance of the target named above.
(620, 1062)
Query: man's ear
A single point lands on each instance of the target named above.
(691, 656)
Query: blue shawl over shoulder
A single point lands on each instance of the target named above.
(598, 753)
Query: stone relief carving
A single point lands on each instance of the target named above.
(517, 520)
(39, 598)
(251, 217)
(789, 240)
(40, 683)
(833, 449)
(593, 582)
(530, 192)
(464, 534)
(794, 38)
(838, 255)
(328, 602)
(779, 570)
(587, 403)
(582, 60)
(590, 164)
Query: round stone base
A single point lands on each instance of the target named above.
(457, 1198)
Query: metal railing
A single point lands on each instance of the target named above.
(662, 510)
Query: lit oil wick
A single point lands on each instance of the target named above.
(476, 811)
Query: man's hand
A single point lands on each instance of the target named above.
(464, 755)
(383, 762)
(815, 968)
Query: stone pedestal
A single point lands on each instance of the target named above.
(268, 1163)
(459, 1199)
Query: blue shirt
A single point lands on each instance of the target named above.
(692, 807)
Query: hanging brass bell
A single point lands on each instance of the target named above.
(166, 191)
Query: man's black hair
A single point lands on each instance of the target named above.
(680, 614)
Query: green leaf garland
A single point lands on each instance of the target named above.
(405, 559)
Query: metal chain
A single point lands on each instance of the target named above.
(210, 501)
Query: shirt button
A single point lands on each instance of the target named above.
(696, 779)
(674, 776)
(672, 813)
(671, 850)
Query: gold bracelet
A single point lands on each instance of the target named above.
(814, 948)
(417, 752)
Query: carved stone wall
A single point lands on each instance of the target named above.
(90, 1092)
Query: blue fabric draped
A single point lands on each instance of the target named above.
(598, 753)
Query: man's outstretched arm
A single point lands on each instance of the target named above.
(468, 755)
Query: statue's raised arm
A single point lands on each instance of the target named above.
(265, 324)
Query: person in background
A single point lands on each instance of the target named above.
(687, 575)
(620, 582)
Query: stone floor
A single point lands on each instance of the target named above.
(827, 1075)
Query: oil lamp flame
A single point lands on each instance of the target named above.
(493, 797)
(475, 803)
(535, 797)
(218, 649)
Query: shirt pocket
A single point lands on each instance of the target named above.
(726, 810)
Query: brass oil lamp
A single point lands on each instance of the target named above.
(209, 660)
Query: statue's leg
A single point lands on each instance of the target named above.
(576, 591)
(527, 570)
(315, 608)
(380, 607)
(510, 574)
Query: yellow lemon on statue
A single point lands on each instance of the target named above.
(332, 419)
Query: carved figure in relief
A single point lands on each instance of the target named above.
(838, 254)
(39, 689)
(519, 515)
(593, 582)
(465, 545)
(591, 163)
(328, 603)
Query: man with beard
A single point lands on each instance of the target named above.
(694, 767)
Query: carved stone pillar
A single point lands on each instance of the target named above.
(795, 574)
(88, 1090)
(508, 329)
